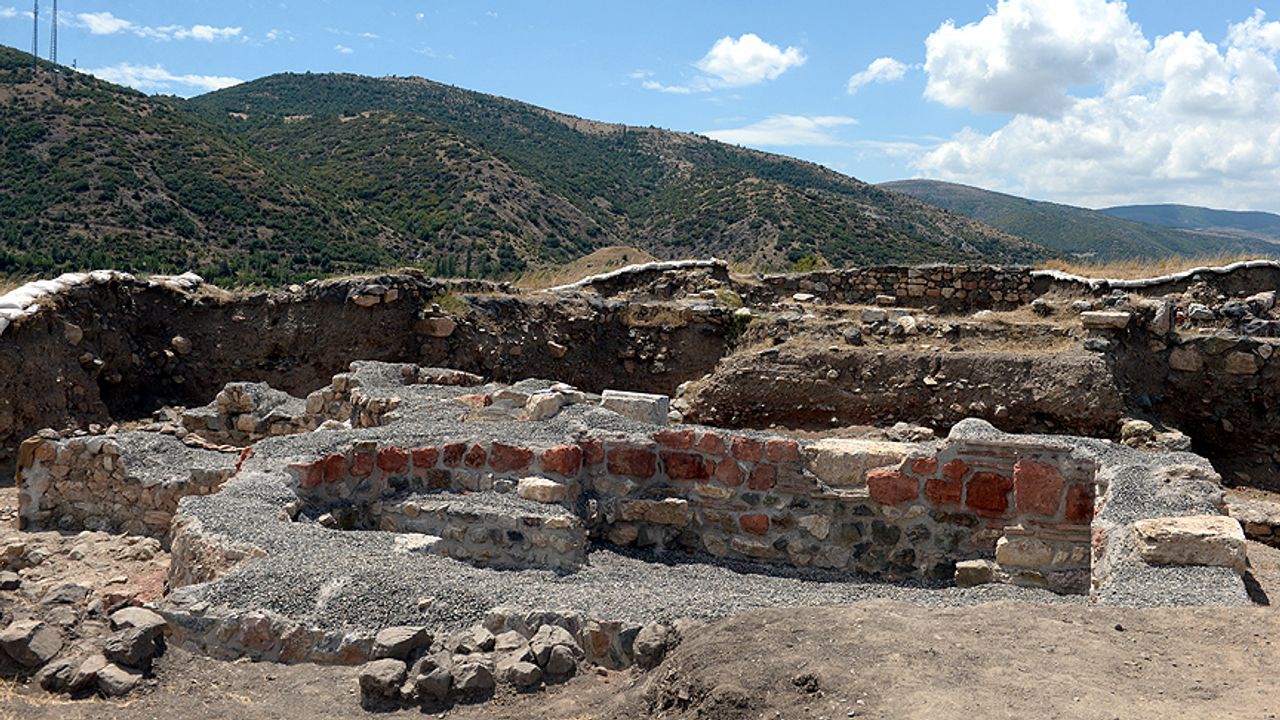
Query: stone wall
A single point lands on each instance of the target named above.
(87, 482)
(949, 287)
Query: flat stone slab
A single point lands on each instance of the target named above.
(1211, 540)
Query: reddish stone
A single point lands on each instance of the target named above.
(1037, 488)
(925, 466)
(782, 450)
(335, 467)
(361, 463)
(453, 454)
(988, 494)
(425, 458)
(509, 458)
(476, 401)
(943, 492)
(748, 449)
(393, 459)
(711, 444)
(633, 461)
(592, 451)
(755, 523)
(245, 454)
(562, 459)
(1079, 504)
(729, 472)
(955, 470)
(474, 458)
(678, 439)
(763, 477)
(685, 466)
(890, 487)
(309, 475)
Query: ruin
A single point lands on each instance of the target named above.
(467, 486)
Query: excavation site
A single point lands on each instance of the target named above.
(467, 496)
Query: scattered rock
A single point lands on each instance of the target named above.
(116, 681)
(30, 643)
(380, 681)
(132, 647)
(399, 642)
(971, 573)
(651, 644)
(473, 678)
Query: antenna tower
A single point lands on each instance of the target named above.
(53, 36)
(35, 34)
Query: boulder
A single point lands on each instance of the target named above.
(518, 673)
(473, 678)
(436, 327)
(549, 637)
(132, 647)
(136, 617)
(651, 644)
(509, 641)
(971, 573)
(1213, 540)
(116, 681)
(86, 673)
(10, 580)
(561, 662)
(433, 685)
(400, 642)
(56, 676)
(380, 681)
(30, 643)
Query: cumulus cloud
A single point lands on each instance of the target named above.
(881, 70)
(105, 23)
(155, 78)
(731, 63)
(1181, 120)
(786, 130)
(343, 49)
(1025, 55)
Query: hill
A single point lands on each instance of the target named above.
(95, 175)
(1248, 223)
(487, 185)
(1078, 231)
(295, 176)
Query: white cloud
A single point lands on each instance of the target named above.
(370, 36)
(420, 16)
(881, 70)
(734, 63)
(343, 49)
(1184, 120)
(105, 23)
(1025, 54)
(8, 12)
(786, 130)
(155, 78)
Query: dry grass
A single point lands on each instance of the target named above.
(1144, 268)
(600, 261)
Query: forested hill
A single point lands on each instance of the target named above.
(294, 176)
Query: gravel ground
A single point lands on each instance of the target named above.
(155, 459)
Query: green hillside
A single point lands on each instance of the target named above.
(1260, 224)
(1077, 231)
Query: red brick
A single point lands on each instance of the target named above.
(678, 439)
(955, 470)
(924, 467)
(509, 458)
(474, 458)
(729, 472)
(763, 477)
(748, 449)
(685, 466)
(782, 450)
(335, 467)
(453, 453)
(632, 461)
(1037, 488)
(890, 487)
(562, 459)
(711, 444)
(1079, 504)
(592, 451)
(944, 492)
(988, 494)
(393, 459)
(425, 458)
(755, 523)
(309, 474)
(362, 463)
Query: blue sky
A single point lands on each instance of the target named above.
(1081, 101)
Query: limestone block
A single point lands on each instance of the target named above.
(1185, 360)
(1242, 363)
(543, 490)
(1023, 551)
(437, 327)
(1105, 319)
(843, 463)
(1214, 540)
(970, 573)
(641, 407)
(671, 511)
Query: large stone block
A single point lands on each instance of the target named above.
(843, 463)
(1214, 540)
(642, 407)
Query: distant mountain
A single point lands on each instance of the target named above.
(1079, 231)
(294, 176)
(1250, 223)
